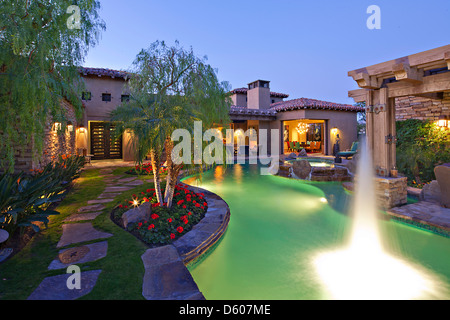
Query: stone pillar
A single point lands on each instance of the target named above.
(391, 192)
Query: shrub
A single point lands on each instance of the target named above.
(27, 199)
(422, 146)
(145, 169)
(165, 225)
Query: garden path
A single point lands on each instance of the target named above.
(78, 229)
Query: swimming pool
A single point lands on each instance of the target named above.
(279, 225)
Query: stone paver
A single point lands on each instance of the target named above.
(116, 189)
(100, 201)
(96, 252)
(108, 195)
(80, 232)
(55, 288)
(166, 277)
(91, 208)
(83, 217)
(428, 213)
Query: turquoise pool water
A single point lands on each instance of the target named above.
(279, 225)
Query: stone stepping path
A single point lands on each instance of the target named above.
(80, 232)
(55, 288)
(91, 253)
(83, 217)
(91, 208)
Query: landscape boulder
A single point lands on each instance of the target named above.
(138, 214)
(302, 169)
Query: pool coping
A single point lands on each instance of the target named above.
(166, 274)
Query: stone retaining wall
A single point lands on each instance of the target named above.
(166, 276)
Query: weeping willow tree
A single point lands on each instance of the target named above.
(171, 89)
(41, 44)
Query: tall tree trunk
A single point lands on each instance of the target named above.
(155, 161)
(169, 148)
(172, 184)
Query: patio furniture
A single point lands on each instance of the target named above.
(292, 146)
(349, 153)
(298, 147)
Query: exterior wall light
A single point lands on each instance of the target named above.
(57, 126)
(70, 127)
(443, 122)
(335, 131)
(82, 129)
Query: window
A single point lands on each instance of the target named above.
(125, 98)
(106, 97)
(273, 101)
(86, 96)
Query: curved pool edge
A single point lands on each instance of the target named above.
(166, 274)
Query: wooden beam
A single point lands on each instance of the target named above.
(414, 60)
(365, 81)
(447, 59)
(431, 84)
(404, 72)
(359, 95)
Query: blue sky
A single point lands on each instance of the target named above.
(305, 48)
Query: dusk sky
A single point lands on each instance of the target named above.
(305, 48)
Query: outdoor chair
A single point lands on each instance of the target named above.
(298, 147)
(349, 153)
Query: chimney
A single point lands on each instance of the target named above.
(258, 95)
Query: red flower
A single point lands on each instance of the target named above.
(139, 225)
(205, 204)
(150, 227)
(189, 213)
(180, 229)
(186, 221)
(154, 216)
(197, 205)
(121, 206)
(172, 236)
(184, 207)
(170, 220)
(180, 202)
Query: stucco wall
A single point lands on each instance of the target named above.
(96, 109)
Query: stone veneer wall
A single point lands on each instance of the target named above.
(391, 192)
(422, 108)
(55, 144)
(59, 143)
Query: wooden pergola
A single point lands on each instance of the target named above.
(425, 74)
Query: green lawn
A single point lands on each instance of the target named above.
(122, 268)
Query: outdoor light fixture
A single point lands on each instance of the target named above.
(442, 122)
(57, 126)
(70, 127)
(82, 129)
(302, 128)
(334, 131)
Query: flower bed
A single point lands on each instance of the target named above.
(165, 225)
(145, 169)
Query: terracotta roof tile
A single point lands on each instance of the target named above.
(304, 103)
(105, 72)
